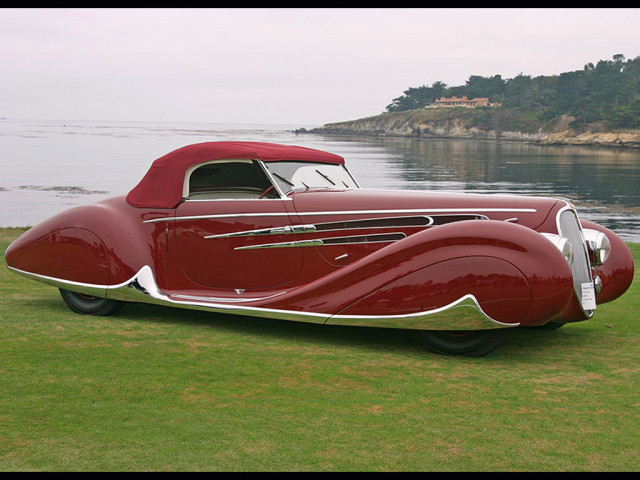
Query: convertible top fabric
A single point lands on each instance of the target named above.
(161, 187)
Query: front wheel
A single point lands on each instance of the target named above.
(475, 343)
(549, 326)
(88, 305)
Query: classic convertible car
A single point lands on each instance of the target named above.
(285, 232)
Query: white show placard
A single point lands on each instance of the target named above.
(588, 296)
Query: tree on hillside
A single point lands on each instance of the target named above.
(608, 92)
(419, 97)
(491, 87)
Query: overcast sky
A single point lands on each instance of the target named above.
(280, 66)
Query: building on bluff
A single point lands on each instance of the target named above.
(461, 102)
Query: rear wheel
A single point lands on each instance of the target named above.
(475, 343)
(89, 305)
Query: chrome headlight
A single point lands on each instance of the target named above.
(562, 244)
(598, 245)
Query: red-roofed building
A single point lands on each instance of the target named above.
(461, 102)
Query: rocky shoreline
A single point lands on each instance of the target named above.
(411, 124)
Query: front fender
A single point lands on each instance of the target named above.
(518, 275)
(500, 292)
(617, 272)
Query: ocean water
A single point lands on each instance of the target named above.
(47, 166)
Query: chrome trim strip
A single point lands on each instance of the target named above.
(359, 224)
(198, 298)
(143, 281)
(318, 242)
(462, 314)
(301, 243)
(263, 200)
(345, 212)
(286, 230)
(79, 287)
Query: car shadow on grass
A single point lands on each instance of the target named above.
(521, 341)
(274, 329)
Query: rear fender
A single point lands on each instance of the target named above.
(97, 245)
(73, 255)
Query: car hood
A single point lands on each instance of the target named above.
(358, 203)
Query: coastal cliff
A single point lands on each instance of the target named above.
(485, 123)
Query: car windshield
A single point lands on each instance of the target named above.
(292, 176)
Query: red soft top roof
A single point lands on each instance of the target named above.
(161, 187)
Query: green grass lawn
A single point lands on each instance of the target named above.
(162, 389)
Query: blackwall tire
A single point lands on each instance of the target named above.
(476, 343)
(88, 305)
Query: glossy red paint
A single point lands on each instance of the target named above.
(514, 275)
(214, 263)
(548, 275)
(332, 255)
(75, 254)
(617, 272)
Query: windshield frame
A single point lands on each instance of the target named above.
(286, 182)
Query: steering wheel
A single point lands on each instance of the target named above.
(268, 190)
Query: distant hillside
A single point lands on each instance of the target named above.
(490, 124)
(598, 105)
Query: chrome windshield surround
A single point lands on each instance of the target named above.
(277, 188)
(462, 314)
(293, 175)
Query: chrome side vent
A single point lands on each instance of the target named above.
(444, 219)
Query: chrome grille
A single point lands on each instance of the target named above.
(569, 227)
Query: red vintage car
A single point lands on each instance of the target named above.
(285, 232)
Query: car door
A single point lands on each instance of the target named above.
(222, 222)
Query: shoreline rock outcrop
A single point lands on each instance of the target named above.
(462, 124)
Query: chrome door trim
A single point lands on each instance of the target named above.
(415, 211)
